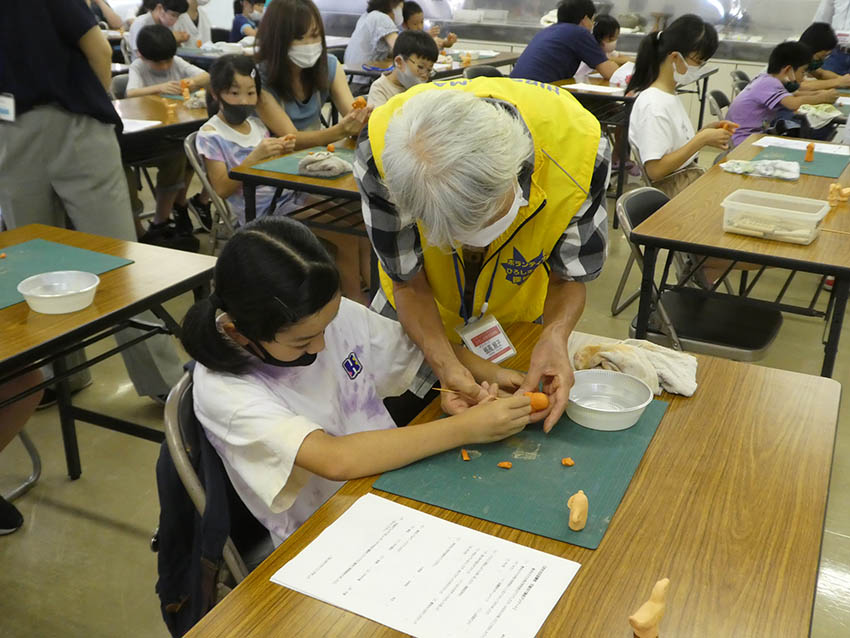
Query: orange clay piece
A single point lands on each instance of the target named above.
(539, 401)
(331, 148)
(646, 619)
(505, 465)
(464, 454)
(359, 102)
(810, 152)
(568, 461)
(730, 126)
(2, 255)
(199, 43)
(578, 511)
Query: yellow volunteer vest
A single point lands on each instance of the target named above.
(563, 132)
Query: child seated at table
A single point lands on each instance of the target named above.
(776, 94)
(246, 18)
(414, 55)
(164, 12)
(556, 52)
(290, 379)
(821, 40)
(413, 19)
(159, 70)
(373, 37)
(606, 31)
(236, 135)
(661, 132)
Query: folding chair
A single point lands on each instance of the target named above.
(689, 319)
(124, 45)
(718, 103)
(222, 218)
(32, 479)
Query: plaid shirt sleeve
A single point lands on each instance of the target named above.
(581, 251)
(396, 240)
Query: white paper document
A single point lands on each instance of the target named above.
(800, 145)
(594, 88)
(427, 577)
(131, 126)
(842, 101)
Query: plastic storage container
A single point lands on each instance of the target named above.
(60, 291)
(795, 220)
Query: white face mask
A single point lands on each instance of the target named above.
(691, 75)
(256, 16)
(610, 47)
(405, 75)
(305, 55)
(487, 235)
(398, 16)
(201, 3)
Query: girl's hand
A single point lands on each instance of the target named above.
(716, 137)
(434, 31)
(288, 143)
(269, 147)
(354, 122)
(496, 419)
(451, 38)
(181, 36)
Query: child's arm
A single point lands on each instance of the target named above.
(793, 102)
(172, 88)
(483, 370)
(199, 81)
(821, 84)
(217, 170)
(112, 19)
(607, 69)
(712, 135)
(341, 458)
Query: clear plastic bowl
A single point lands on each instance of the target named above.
(607, 400)
(60, 291)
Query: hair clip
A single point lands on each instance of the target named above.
(253, 74)
(658, 35)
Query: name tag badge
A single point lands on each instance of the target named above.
(843, 37)
(486, 338)
(7, 107)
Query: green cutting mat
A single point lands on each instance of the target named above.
(289, 163)
(824, 165)
(39, 255)
(532, 495)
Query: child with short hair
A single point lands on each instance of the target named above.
(290, 379)
(159, 70)
(777, 91)
(373, 37)
(413, 19)
(821, 40)
(164, 12)
(414, 55)
(606, 30)
(246, 18)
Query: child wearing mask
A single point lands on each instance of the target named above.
(771, 94)
(246, 16)
(414, 55)
(606, 30)
(373, 37)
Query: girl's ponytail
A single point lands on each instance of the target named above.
(647, 64)
(203, 341)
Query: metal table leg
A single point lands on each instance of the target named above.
(249, 192)
(647, 284)
(66, 420)
(840, 290)
(702, 99)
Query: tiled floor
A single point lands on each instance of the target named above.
(81, 566)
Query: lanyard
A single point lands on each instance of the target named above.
(465, 312)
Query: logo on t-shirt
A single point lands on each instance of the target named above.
(352, 366)
(518, 269)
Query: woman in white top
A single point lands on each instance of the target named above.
(290, 379)
(196, 23)
(374, 35)
(660, 129)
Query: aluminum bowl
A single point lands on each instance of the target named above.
(607, 400)
(60, 291)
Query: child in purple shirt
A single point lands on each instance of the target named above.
(778, 90)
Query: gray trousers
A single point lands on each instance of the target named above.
(54, 162)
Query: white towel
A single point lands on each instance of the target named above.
(819, 115)
(323, 164)
(781, 169)
(657, 366)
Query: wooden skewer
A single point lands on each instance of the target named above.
(837, 232)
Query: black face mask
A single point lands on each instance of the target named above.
(305, 359)
(791, 87)
(236, 113)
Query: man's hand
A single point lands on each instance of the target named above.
(550, 365)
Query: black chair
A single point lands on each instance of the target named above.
(689, 319)
(718, 102)
(220, 35)
(482, 71)
(738, 75)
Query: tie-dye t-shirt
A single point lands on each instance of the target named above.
(257, 420)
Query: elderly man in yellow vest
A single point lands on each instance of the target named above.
(484, 201)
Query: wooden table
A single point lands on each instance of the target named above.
(728, 502)
(29, 338)
(693, 222)
(166, 136)
(384, 66)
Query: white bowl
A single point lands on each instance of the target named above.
(607, 400)
(60, 291)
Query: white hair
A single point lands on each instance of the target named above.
(449, 161)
